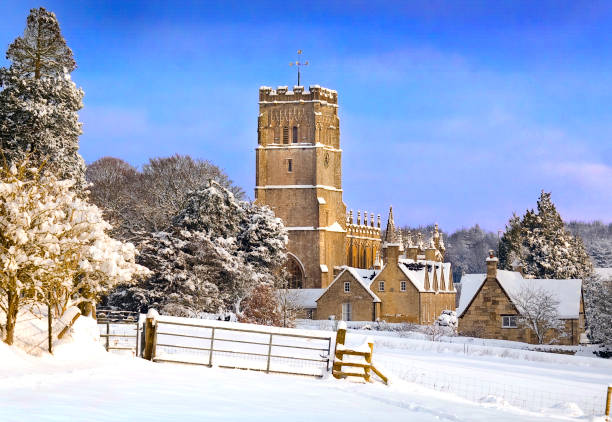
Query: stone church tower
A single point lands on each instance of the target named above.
(299, 176)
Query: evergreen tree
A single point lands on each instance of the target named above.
(543, 245)
(39, 102)
(510, 247)
(598, 306)
(216, 253)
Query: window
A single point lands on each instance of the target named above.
(289, 165)
(402, 286)
(346, 311)
(285, 135)
(347, 286)
(509, 321)
(295, 134)
(310, 314)
(381, 286)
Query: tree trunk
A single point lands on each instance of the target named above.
(49, 323)
(11, 317)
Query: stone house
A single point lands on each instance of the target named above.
(486, 308)
(404, 287)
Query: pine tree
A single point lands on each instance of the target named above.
(39, 102)
(598, 306)
(510, 247)
(543, 244)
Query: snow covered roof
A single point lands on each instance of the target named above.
(364, 277)
(305, 298)
(605, 273)
(567, 292)
(416, 273)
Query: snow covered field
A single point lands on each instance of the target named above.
(83, 382)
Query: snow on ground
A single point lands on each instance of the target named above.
(83, 382)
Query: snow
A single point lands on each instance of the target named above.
(336, 227)
(82, 382)
(305, 298)
(604, 273)
(417, 277)
(567, 292)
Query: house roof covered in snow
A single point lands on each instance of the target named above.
(567, 292)
(416, 273)
(363, 276)
(304, 298)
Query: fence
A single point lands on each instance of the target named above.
(239, 346)
(590, 402)
(119, 330)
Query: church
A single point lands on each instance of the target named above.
(299, 176)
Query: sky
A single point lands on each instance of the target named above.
(456, 112)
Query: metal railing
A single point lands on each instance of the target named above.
(120, 326)
(240, 348)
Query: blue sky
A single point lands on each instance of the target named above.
(455, 112)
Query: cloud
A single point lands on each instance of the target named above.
(590, 175)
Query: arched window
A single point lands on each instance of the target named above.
(296, 273)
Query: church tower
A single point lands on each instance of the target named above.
(299, 176)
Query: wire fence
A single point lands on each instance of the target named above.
(589, 403)
(119, 330)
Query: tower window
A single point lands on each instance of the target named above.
(285, 135)
(289, 165)
(295, 134)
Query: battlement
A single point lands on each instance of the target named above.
(282, 94)
(363, 229)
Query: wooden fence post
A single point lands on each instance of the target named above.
(340, 339)
(368, 358)
(608, 399)
(150, 334)
(212, 343)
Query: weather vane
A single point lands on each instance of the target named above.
(299, 64)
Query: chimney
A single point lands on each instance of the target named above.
(491, 265)
(377, 261)
(517, 266)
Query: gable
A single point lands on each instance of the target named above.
(360, 279)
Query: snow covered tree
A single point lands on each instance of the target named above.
(538, 312)
(543, 244)
(53, 246)
(510, 245)
(187, 267)
(217, 251)
(39, 102)
(598, 307)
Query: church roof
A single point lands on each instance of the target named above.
(567, 292)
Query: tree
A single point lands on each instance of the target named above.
(597, 238)
(53, 246)
(148, 200)
(598, 306)
(465, 249)
(262, 307)
(114, 188)
(537, 309)
(545, 247)
(39, 102)
(217, 250)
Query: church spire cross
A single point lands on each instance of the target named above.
(299, 63)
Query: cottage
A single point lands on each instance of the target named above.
(486, 308)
